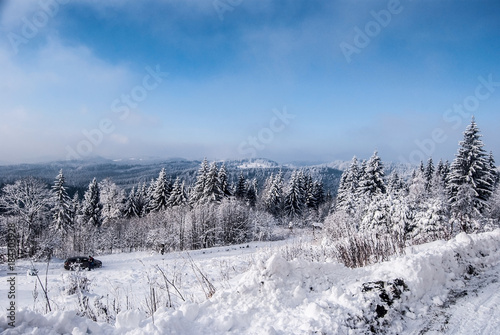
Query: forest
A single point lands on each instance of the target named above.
(373, 215)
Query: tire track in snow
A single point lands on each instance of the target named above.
(476, 312)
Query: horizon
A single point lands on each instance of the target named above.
(304, 81)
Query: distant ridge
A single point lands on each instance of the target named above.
(129, 172)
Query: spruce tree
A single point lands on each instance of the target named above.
(319, 192)
(251, 194)
(178, 196)
(294, 200)
(395, 184)
(372, 179)
(429, 173)
(61, 212)
(112, 200)
(92, 207)
(274, 198)
(469, 180)
(493, 171)
(212, 191)
(161, 192)
(130, 207)
(142, 200)
(150, 191)
(223, 182)
(199, 186)
(348, 187)
(241, 188)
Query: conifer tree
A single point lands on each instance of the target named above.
(251, 194)
(274, 197)
(61, 212)
(421, 167)
(161, 192)
(141, 200)
(372, 179)
(294, 200)
(348, 187)
(112, 200)
(212, 191)
(493, 171)
(469, 180)
(92, 207)
(429, 173)
(178, 196)
(395, 185)
(241, 188)
(319, 192)
(130, 207)
(199, 187)
(149, 195)
(223, 182)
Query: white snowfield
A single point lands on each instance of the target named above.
(442, 287)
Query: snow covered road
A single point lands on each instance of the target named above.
(476, 311)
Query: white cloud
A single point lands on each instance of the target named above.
(46, 103)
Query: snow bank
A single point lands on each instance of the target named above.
(295, 297)
(58, 322)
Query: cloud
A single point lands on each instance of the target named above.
(69, 90)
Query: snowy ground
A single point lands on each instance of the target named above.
(443, 287)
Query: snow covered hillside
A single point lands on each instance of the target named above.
(274, 288)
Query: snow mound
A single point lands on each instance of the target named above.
(129, 319)
(277, 296)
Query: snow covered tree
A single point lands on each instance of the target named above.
(212, 191)
(493, 179)
(310, 196)
(27, 201)
(142, 200)
(178, 195)
(161, 192)
(494, 206)
(428, 174)
(348, 188)
(232, 217)
(421, 167)
(223, 182)
(112, 200)
(149, 195)
(430, 222)
(241, 187)
(251, 194)
(61, 210)
(274, 197)
(441, 173)
(294, 198)
(199, 187)
(395, 184)
(372, 178)
(74, 208)
(469, 180)
(377, 215)
(92, 207)
(130, 208)
(417, 190)
(319, 192)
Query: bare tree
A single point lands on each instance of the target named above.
(27, 200)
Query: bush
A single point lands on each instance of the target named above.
(360, 249)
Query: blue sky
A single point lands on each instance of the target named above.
(299, 80)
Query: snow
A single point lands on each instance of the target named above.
(257, 164)
(447, 287)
